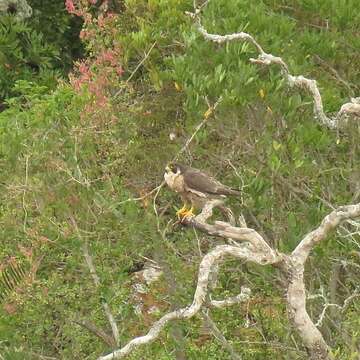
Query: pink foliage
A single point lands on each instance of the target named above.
(98, 73)
(70, 7)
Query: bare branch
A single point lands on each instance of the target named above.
(105, 305)
(349, 299)
(327, 305)
(333, 72)
(210, 110)
(296, 302)
(24, 192)
(96, 279)
(138, 65)
(109, 340)
(243, 296)
(206, 268)
(301, 82)
(156, 189)
(219, 336)
(294, 271)
(329, 223)
(259, 252)
(226, 230)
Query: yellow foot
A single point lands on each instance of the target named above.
(180, 213)
(188, 213)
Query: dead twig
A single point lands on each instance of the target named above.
(90, 326)
(96, 279)
(24, 192)
(219, 335)
(136, 68)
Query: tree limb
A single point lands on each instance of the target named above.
(294, 271)
(105, 305)
(206, 268)
(226, 230)
(243, 296)
(259, 252)
(329, 223)
(349, 109)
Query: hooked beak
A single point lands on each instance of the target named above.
(167, 169)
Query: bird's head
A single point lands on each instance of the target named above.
(174, 168)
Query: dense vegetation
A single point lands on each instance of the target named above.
(86, 124)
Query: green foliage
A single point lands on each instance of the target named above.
(10, 277)
(38, 49)
(24, 55)
(66, 173)
(60, 29)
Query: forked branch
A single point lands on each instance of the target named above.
(253, 248)
(207, 267)
(329, 223)
(351, 108)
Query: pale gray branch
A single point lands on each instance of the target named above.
(211, 109)
(329, 223)
(327, 304)
(243, 296)
(227, 230)
(349, 109)
(205, 270)
(219, 335)
(109, 340)
(259, 252)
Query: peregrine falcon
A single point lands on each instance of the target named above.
(195, 187)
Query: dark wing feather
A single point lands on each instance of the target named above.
(201, 182)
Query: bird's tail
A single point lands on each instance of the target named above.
(230, 191)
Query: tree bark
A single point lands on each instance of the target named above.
(296, 303)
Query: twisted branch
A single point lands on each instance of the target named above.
(351, 108)
(254, 249)
(243, 296)
(207, 267)
(329, 223)
(328, 304)
(227, 230)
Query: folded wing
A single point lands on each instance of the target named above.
(201, 183)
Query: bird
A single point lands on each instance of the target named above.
(195, 187)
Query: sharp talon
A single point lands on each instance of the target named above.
(188, 213)
(180, 213)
